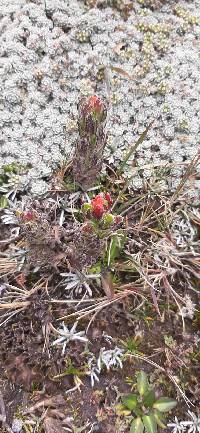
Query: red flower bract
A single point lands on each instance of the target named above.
(28, 216)
(108, 199)
(98, 211)
(100, 204)
(95, 103)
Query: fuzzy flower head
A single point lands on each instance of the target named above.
(101, 204)
(28, 216)
(95, 104)
(88, 157)
(99, 210)
(94, 107)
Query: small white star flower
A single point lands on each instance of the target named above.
(192, 426)
(78, 282)
(110, 358)
(93, 372)
(189, 309)
(189, 426)
(176, 426)
(67, 335)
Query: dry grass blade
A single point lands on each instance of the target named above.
(9, 316)
(84, 312)
(14, 305)
(75, 301)
(141, 271)
(17, 300)
(189, 171)
(8, 266)
(194, 218)
(134, 147)
(54, 401)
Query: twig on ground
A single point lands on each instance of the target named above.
(144, 358)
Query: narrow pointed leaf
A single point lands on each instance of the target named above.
(164, 404)
(142, 383)
(130, 401)
(122, 410)
(159, 418)
(150, 423)
(134, 147)
(137, 426)
(3, 202)
(149, 399)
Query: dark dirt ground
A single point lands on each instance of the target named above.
(27, 370)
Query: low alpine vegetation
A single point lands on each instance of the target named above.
(90, 274)
(148, 410)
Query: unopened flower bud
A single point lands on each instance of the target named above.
(87, 228)
(87, 207)
(118, 219)
(88, 158)
(108, 219)
(28, 216)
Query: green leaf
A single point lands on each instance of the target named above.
(130, 401)
(137, 426)
(164, 404)
(86, 207)
(150, 423)
(93, 139)
(3, 202)
(159, 418)
(120, 409)
(138, 411)
(149, 399)
(116, 245)
(142, 383)
(169, 341)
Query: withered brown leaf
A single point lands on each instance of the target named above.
(122, 72)
(107, 284)
(52, 425)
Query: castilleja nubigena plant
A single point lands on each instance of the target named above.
(88, 156)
